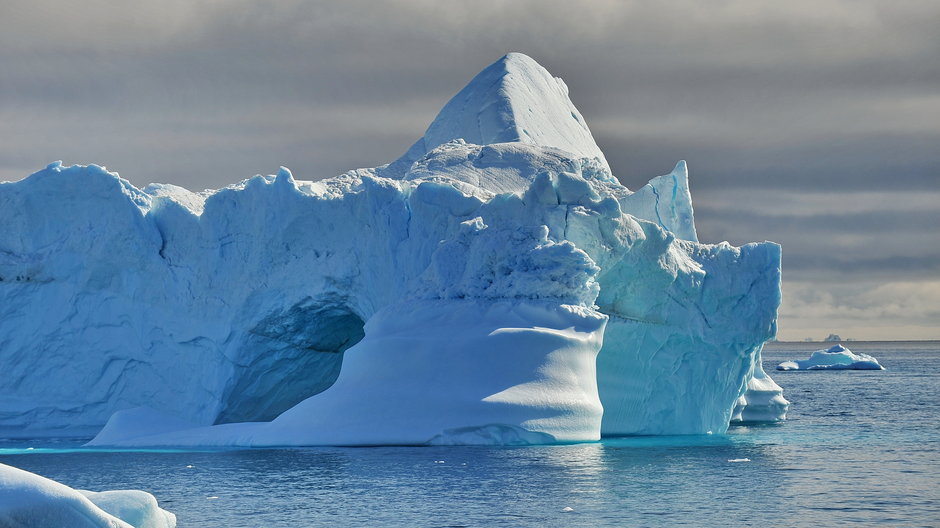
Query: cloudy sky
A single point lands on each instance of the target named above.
(815, 124)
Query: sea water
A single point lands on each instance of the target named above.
(859, 447)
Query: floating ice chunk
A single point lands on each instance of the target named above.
(28, 500)
(137, 508)
(836, 358)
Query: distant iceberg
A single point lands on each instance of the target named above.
(836, 358)
(495, 284)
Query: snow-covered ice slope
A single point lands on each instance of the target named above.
(28, 500)
(514, 100)
(464, 289)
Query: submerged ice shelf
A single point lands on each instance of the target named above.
(496, 284)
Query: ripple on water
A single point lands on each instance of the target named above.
(859, 447)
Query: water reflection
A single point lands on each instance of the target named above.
(856, 449)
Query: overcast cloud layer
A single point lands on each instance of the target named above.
(813, 124)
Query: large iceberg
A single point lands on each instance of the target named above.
(836, 357)
(28, 500)
(496, 284)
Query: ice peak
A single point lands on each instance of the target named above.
(284, 177)
(512, 100)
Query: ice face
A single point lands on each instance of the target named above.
(666, 200)
(287, 301)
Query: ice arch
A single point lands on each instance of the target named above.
(291, 354)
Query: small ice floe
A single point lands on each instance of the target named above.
(733, 460)
(27, 499)
(836, 358)
(567, 509)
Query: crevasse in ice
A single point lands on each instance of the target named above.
(496, 284)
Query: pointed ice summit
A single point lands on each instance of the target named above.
(496, 284)
(515, 121)
(514, 100)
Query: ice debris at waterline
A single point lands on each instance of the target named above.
(836, 358)
(28, 500)
(496, 284)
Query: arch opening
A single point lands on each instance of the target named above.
(290, 355)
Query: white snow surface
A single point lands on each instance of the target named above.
(28, 500)
(835, 358)
(491, 286)
(514, 100)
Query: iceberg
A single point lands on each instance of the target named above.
(29, 500)
(835, 358)
(495, 284)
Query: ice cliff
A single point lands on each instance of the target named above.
(496, 284)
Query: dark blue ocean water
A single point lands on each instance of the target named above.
(859, 448)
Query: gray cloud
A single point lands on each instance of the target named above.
(834, 238)
(876, 310)
(765, 100)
